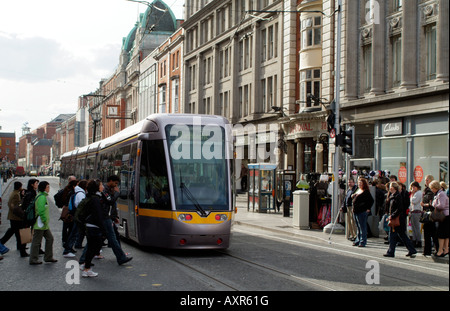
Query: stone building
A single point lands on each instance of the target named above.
(233, 67)
(395, 86)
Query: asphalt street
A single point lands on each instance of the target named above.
(258, 261)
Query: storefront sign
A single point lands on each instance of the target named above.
(301, 127)
(402, 174)
(307, 127)
(392, 128)
(418, 174)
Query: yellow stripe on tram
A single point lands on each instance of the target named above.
(196, 218)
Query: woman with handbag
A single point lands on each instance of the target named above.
(440, 204)
(429, 228)
(397, 221)
(16, 218)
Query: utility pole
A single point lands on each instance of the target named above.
(337, 126)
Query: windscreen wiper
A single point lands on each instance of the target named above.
(191, 198)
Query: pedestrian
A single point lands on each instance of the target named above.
(16, 218)
(347, 208)
(429, 228)
(362, 204)
(415, 213)
(75, 236)
(243, 177)
(30, 194)
(3, 250)
(396, 209)
(41, 227)
(110, 195)
(443, 186)
(440, 203)
(66, 194)
(95, 229)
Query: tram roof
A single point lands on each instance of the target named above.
(161, 120)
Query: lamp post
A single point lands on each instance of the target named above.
(96, 118)
(337, 76)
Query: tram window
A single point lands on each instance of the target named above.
(102, 168)
(90, 167)
(199, 167)
(153, 182)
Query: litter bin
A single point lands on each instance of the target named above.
(301, 209)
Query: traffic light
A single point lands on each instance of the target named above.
(346, 139)
(330, 121)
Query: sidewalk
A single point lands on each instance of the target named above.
(277, 223)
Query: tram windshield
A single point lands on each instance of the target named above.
(199, 167)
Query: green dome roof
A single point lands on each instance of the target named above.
(158, 21)
(128, 42)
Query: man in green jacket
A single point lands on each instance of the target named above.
(41, 227)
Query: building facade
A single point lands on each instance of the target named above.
(233, 67)
(170, 68)
(7, 149)
(268, 66)
(396, 62)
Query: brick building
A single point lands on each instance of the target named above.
(8, 148)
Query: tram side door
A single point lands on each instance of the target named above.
(131, 191)
(125, 202)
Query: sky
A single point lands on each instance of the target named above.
(53, 51)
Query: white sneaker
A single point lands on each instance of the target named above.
(69, 255)
(88, 273)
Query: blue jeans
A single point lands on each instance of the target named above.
(73, 236)
(361, 225)
(112, 241)
(3, 249)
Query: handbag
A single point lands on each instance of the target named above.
(18, 211)
(65, 215)
(425, 217)
(26, 235)
(394, 222)
(437, 216)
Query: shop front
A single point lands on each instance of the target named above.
(413, 147)
(307, 140)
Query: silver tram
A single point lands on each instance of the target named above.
(175, 172)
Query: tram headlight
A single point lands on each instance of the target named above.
(221, 217)
(185, 217)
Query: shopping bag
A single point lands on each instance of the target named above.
(26, 235)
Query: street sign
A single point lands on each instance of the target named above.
(332, 133)
(402, 174)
